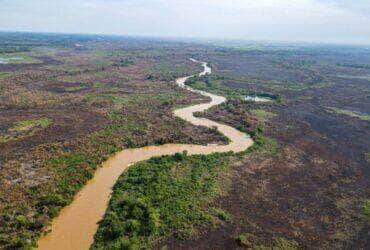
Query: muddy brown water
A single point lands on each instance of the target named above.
(76, 225)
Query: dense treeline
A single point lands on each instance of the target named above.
(351, 65)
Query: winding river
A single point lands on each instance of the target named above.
(76, 225)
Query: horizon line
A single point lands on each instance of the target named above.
(194, 38)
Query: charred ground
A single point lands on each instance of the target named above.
(314, 188)
(74, 100)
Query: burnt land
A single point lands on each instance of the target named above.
(315, 188)
(72, 101)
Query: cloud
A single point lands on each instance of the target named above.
(294, 20)
(361, 7)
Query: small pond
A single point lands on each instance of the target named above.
(4, 60)
(258, 99)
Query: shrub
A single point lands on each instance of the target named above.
(366, 209)
(284, 244)
(244, 240)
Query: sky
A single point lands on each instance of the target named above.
(328, 21)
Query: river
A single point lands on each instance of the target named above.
(76, 224)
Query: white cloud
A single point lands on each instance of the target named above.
(310, 20)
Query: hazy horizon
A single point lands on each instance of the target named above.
(310, 21)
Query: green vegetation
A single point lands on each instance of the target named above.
(98, 85)
(72, 171)
(168, 196)
(366, 208)
(219, 85)
(215, 84)
(102, 99)
(24, 128)
(129, 126)
(361, 116)
(124, 63)
(121, 109)
(5, 74)
(284, 244)
(295, 86)
(115, 106)
(356, 66)
(262, 115)
(29, 124)
(161, 71)
(161, 197)
(302, 64)
(245, 240)
(74, 88)
(17, 58)
(367, 156)
(251, 241)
